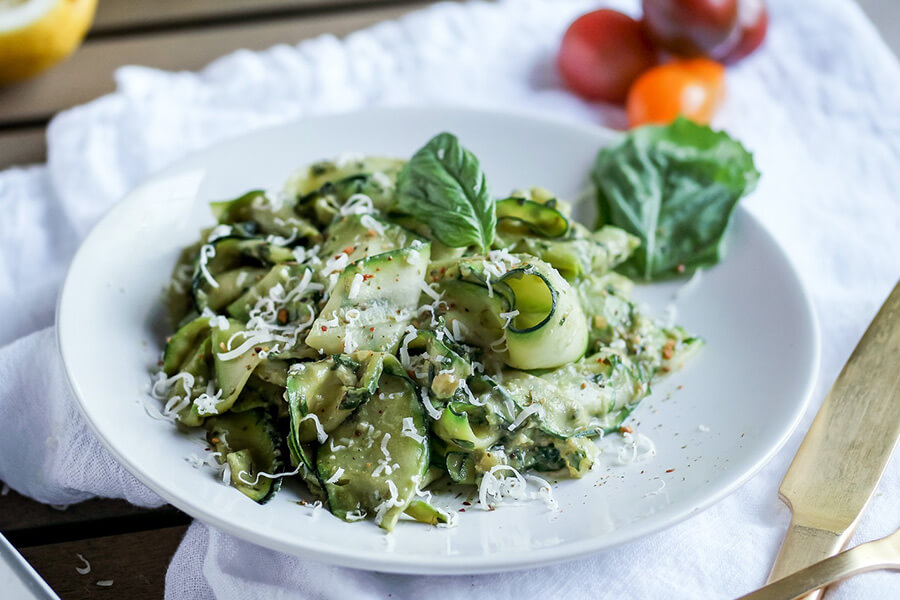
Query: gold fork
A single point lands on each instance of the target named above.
(871, 556)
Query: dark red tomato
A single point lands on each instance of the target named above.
(692, 27)
(753, 21)
(602, 53)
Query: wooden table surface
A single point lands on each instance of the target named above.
(131, 546)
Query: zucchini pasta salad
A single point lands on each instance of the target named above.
(381, 324)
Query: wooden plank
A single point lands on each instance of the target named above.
(136, 564)
(88, 73)
(18, 512)
(21, 147)
(114, 15)
(29, 523)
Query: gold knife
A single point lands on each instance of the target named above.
(846, 450)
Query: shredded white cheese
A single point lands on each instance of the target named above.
(267, 475)
(357, 204)
(337, 475)
(392, 501)
(531, 409)
(409, 430)
(354, 286)
(278, 240)
(369, 222)
(403, 353)
(219, 231)
(321, 435)
(207, 401)
(636, 447)
(207, 252)
(509, 316)
(433, 412)
(83, 570)
(493, 490)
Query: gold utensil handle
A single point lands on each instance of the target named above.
(880, 554)
(804, 546)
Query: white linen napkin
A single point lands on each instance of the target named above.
(818, 106)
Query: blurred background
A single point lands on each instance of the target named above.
(176, 35)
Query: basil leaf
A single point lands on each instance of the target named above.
(675, 187)
(443, 186)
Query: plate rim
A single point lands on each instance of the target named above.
(445, 565)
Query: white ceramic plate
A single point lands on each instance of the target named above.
(714, 424)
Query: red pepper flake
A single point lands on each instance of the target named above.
(324, 328)
(257, 349)
(371, 329)
(282, 316)
(462, 510)
(626, 429)
(390, 258)
(583, 385)
(371, 233)
(215, 440)
(348, 250)
(669, 470)
(367, 276)
(669, 349)
(467, 503)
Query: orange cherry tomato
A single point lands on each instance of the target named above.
(694, 88)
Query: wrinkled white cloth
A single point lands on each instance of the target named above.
(817, 106)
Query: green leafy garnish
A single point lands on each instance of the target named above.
(675, 187)
(444, 187)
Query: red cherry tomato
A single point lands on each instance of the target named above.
(691, 87)
(602, 53)
(753, 21)
(692, 27)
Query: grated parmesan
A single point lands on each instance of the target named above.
(320, 431)
(357, 204)
(429, 407)
(509, 316)
(354, 286)
(526, 412)
(493, 490)
(83, 570)
(268, 475)
(337, 475)
(391, 502)
(409, 430)
(207, 252)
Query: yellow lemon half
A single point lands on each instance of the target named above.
(36, 34)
